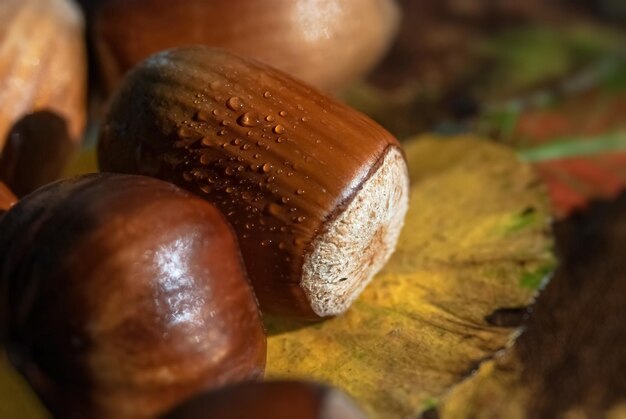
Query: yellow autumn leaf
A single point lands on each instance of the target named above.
(475, 240)
(17, 401)
(84, 162)
(569, 360)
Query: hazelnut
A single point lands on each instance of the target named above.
(327, 43)
(276, 400)
(121, 296)
(315, 191)
(44, 63)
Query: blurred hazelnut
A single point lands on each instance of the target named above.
(43, 60)
(327, 43)
(36, 152)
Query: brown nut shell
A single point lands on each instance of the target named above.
(42, 63)
(272, 399)
(121, 296)
(316, 191)
(327, 43)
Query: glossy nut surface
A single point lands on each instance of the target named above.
(327, 43)
(316, 191)
(122, 296)
(275, 400)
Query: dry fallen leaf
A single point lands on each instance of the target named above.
(16, 399)
(569, 362)
(475, 241)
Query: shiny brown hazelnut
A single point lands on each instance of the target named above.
(7, 199)
(275, 400)
(121, 296)
(315, 191)
(42, 51)
(327, 43)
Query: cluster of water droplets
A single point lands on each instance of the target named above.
(232, 175)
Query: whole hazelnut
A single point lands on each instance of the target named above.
(44, 67)
(315, 191)
(121, 296)
(327, 43)
(272, 399)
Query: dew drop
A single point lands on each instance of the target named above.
(284, 199)
(279, 129)
(269, 118)
(304, 119)
(257, 155)
(221, 132)
(248, 119)
(273, 209)
(300, 192)
(187, 176)
(215, 84)
(203, 116)
(245, 146)
(236, 141)
(206, 141)
(205, 159)
(280, 139)
(234, 103)
(267, 167)
(282, 113)
(289, 174)
(267, 94)
(229, 190)
(205, 188)
(184, 132)
(249, 226)
(266, 243)
(229, 171)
